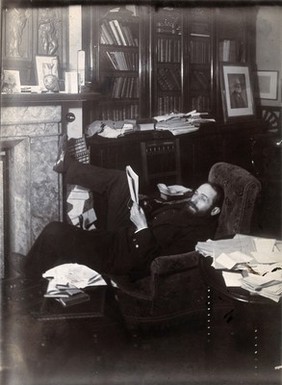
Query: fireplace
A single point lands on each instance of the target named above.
(30, 192)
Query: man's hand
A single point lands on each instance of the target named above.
(137, 216)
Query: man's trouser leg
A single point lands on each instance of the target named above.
(61, 243)
(112, 184)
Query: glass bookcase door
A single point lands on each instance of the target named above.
(199, 50)
(167, 61)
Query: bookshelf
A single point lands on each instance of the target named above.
(233, 29)
(118, 66)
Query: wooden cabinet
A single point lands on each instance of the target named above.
(161, 157)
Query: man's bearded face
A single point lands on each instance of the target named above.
(202, 201)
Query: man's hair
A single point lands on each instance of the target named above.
(218, 200)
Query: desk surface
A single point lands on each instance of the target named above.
(214, 279)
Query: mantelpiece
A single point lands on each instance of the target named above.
(30, 128)
(46, 98)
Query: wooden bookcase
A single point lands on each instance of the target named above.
(175, 57)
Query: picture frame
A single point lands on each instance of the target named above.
(10, 82)
(237, 92)
(46, 65)
(267, 84)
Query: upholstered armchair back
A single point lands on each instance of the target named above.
(241, 190)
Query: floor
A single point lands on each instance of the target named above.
(83, 352)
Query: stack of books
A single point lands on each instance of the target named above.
(66, 295)
(182, 123)
(66, 283)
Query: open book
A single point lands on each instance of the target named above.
(133, 184)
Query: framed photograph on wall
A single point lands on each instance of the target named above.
(47, 68)
(10, 82)
(237, 92)
(267, 84)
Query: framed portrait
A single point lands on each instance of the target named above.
(10, 82)
(237, 92)
(46, 65)
(267, 84)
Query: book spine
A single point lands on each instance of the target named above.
(105, 33)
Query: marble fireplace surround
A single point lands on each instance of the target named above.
(29, 135)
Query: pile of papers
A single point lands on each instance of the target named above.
(181, 123)
(111, 128)
(252, 263)
(77, 198)
(65, 283)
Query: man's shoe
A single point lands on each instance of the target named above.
(60, 165)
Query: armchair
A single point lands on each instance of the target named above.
(175, 289)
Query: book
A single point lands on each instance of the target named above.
(146, 124)
(105, 33)
(74, 299)
(115, 32)
(120, 32)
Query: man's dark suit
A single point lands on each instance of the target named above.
(119, 249)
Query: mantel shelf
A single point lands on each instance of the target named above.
(14, 100)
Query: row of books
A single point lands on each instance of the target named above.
(201, 103)
(169, 79)
(168, 50)
(167, 104)
(125, 87)
(199, 51)
(228, 51)
(113, 32)
(123, 61)
(122, 112)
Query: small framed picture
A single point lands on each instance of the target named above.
(267, 84)
(237, 92)
(10, 82)
(47, 65)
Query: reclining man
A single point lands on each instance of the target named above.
(131, 241)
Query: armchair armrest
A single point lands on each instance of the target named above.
(174, 263)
